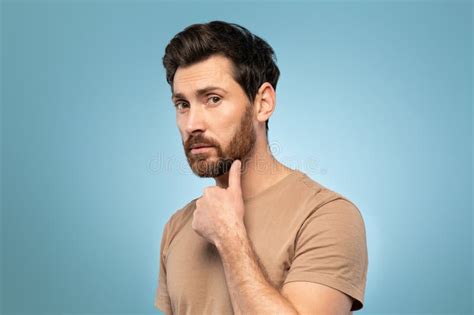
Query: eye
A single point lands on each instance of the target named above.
(181, 106)
(214, 99)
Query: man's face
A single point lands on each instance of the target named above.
(213, 115)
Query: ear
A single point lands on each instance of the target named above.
(265, 102)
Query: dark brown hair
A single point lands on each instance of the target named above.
(253, 59)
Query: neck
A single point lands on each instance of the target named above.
(260, 170)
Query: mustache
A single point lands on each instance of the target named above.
(199, 139)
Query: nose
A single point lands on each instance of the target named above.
(195, 121)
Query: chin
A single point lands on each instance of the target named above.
(211, 168)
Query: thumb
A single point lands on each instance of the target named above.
(234, 176)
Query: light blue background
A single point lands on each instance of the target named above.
(374, 102)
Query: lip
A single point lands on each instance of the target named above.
(200, 149)
(198, 145)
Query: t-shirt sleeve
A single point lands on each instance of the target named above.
(162, 299)
(331, 249)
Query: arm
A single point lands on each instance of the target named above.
(315, 298)
(247, 283)
(251, 292)
(218, 217)
(162, 299)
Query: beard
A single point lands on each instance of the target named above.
(240, 147)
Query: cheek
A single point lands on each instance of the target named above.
(180, 124)
(225, 134)
(227, 121)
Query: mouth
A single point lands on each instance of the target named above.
(200, 148)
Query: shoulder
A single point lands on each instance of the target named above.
(182, 214)
(330, 243)
(324, 203)
(178, 220)
(317, 195)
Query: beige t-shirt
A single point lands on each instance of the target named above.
(300, 230)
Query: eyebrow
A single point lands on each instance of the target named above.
(198, 93)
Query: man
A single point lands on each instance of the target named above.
(266, 239)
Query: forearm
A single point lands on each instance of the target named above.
(250, 291)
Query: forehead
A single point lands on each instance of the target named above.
(214, 71)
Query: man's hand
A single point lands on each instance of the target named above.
(220, 211)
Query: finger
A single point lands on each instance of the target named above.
(234, 176)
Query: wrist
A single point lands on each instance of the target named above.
(232, 239)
